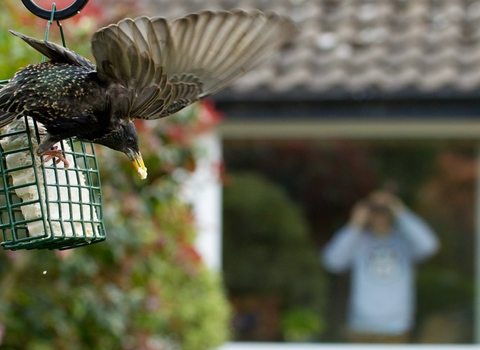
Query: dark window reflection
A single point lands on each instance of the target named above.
(284, 199)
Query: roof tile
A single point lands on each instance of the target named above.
(355, 45)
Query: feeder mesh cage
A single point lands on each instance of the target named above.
(44, 205)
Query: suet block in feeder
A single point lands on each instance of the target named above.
(45, 206)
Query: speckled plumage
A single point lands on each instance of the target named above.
(60, 96)
(146, 68)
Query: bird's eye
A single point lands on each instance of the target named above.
(131, 140)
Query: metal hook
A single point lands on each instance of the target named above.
(68, 12)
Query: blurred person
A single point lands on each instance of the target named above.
(380, 244)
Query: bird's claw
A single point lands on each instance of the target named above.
(56, 153)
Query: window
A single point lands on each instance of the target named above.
(276, 282)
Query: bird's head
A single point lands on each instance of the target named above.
(125, 139)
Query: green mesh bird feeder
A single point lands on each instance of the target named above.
(44, 205)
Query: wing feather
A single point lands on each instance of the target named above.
(166, 66)
(226, 44)
(182, 95)
(123, 53)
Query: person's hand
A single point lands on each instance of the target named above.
(360, 215)
(387, 199)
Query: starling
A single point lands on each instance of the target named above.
(146, 68)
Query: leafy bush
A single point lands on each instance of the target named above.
(267, 249)
(145, 287)
(146, 283)
(299, 324)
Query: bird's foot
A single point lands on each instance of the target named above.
(54, 152)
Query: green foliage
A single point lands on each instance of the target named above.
(13, 54)
(266, 246)
(300, 324)
(146, 285)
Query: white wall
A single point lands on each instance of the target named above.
(203, 190)
(320, 346)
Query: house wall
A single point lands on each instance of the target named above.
(352, 128)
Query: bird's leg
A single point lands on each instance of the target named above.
(54, 152)
(49, 149)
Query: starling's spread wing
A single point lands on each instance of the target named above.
(56, 53)
(166, 66)
(130, 53)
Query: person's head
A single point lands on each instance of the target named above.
(381, 217)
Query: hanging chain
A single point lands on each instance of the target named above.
(47, 33)
(49, 23)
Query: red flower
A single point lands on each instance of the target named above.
(140, 124)
(177, 134)
(209, 114)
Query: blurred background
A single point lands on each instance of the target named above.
(222, 241)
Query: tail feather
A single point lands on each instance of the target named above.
(56, 52)
(6, 118)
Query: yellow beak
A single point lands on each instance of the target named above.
(137, 161)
